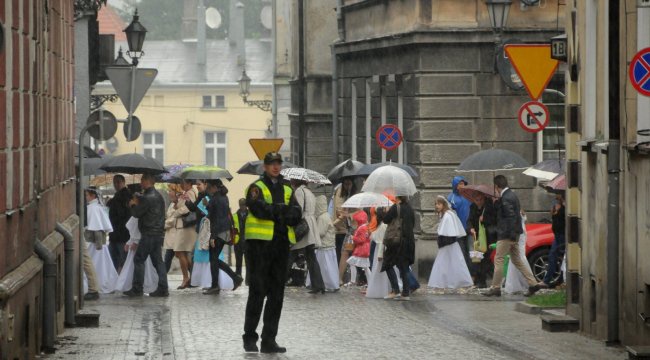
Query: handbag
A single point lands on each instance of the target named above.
(482, 239)
(303, 227)
(189, 219)
(393, 236)
(348, 244)
(204, 235)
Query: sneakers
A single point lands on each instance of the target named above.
(237, 282)
(271, 347)
(492, 292)
(535, 288)
(212, 291)
(159, 293)
(131, 293)
(403, 297)
(91, 296)
(392, 296)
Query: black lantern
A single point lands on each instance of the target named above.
(120, 60)
(244, 85)
(135, 34)
(498, 11)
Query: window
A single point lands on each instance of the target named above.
(154, 145)
(551, 139)
(215, 148)
(214, 102)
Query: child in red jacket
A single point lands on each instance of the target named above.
(361, 238)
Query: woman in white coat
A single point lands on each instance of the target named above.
(326, 254)
(98, 225)
(311, 240)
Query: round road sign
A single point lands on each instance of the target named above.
(388, 137)
(135, 127)
(533, 116)
(104, 128)
(640, 72)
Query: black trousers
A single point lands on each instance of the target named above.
(267, 269)
(149, 246)
(216, 263)
(118, 254)
(240, 251)
(169, 257)
(313, 267)
(404, 274)
(340, 238)
(464, 247)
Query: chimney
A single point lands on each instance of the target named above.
(188, 29)
(240, 34)
(232, 27)
(201, 52)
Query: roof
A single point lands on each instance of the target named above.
(111, 23)
(176, 61)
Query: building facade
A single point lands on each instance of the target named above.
(609, 172)
(37, 173)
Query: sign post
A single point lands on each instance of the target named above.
(389, 137)
(533, 116)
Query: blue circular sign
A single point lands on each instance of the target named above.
(389, 137)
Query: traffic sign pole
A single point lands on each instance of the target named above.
(131, 110)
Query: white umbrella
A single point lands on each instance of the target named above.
(367, 200)
(390, 179)
(307, 175)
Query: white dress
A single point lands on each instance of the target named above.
(378, 284)
(98, 220)
(515, 281)
(125, 279)
(326, 255)
(449, 268)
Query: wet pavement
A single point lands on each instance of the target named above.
(342, 325)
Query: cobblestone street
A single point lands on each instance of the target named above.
(343, 325)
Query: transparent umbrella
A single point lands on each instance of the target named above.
(307, 175)
(392, 180)
(367, 200)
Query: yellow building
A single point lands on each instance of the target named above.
(193, 114)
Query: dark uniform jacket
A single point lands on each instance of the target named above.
(119, 213)
(283, 215)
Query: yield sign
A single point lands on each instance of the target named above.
(640, 72)
(265, 146)
(533, 116)
(533, 64)
(120, 77)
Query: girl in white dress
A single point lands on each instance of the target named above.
(326, 253)
(201, 275)
(449, 269)
(125, 280)
(515, 281)
(98, 225)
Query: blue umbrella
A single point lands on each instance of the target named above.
(173, 174)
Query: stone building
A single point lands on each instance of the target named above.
(609, 172)
(37, 174)
(427, 66)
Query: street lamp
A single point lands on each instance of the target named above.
(135, 34)
(244, 91)
(120, 60)
(498, 11)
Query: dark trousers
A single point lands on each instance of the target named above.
(462, 241)
(118, 254)
(485, 267)
(268, 273)
(216, 263)
(149, 246)
(340, 238)
(392, 277)
(413, 282)
(373, 246)
(240, 250)
(315, 275)
(169, 257)
(555, 257)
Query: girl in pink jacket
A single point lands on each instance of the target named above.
(361, 239)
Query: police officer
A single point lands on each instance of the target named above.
(273, 212)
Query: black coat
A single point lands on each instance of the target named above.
(281, 214)
(405, 252)
(119, 213)
(489, 219)
(508, 216)
(219, 215)
(151, 213)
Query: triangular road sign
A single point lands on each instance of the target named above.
(265, 146)
(120, 77)
(533, 64)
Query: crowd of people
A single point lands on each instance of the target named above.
(281, 224)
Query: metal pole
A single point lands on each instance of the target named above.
(131, 97)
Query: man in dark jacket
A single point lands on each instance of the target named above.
(119, 213)
(273, 212)
(149, 209)
(509, 227)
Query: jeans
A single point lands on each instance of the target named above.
(118, 254)
(555, 255)
(373, 246)
(392, 277)
(268, 274)
(216, 263)
(412, 281)
(149, 246)
(169, 257)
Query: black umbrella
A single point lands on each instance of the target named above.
(92, 165)
(493, 160)
(345, 169)
(257, 167)
(87, 151)
(133, 164)
(367, 169)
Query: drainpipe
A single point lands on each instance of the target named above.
(335, 76)
(613, 176)
(301, 83)
(49, 294)
(68, 275)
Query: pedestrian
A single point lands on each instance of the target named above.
(378, 283)
(239, 220)
(201, 276)
(220, 226)
(273, 211)
(482, 213)
(508, 230)
(515, 280)
(178, 235)
(97, 229)
(326, 254)
(558, 219)
(401, 254)
(125, 279)
(361, 240)
(340, 217)
(311, 240)
(119, 213)
(461, 207)
(149, 209)
(449, 269)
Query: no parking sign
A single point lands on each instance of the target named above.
(640, 72)
(388, 137)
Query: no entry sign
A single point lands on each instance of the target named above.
(388, 137)
(640, 72)
(533, 116)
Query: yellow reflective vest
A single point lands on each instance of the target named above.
(235, 220)
(261, 229)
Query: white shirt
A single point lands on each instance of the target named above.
(504, 190)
